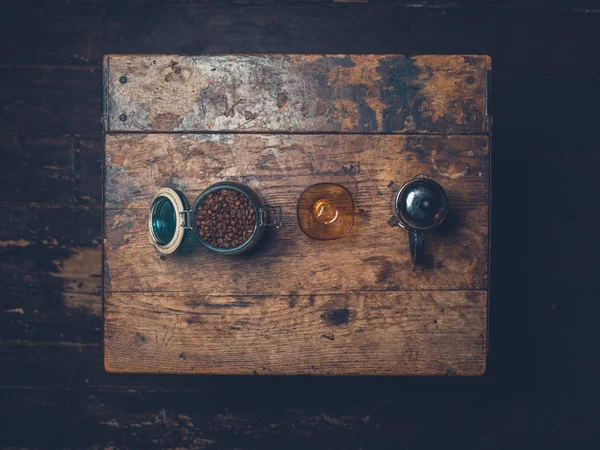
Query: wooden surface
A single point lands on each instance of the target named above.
(384, 333)
(298, 93)
(254, 300)
(540, 388)
(373, 256)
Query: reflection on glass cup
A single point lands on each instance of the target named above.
(325, 211)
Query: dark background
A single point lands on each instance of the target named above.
(541, 387)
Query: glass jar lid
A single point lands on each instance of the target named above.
(166, 227)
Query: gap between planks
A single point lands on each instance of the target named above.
(287, 294)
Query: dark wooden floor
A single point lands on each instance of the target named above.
(541, 389)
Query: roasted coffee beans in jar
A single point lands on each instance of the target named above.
(225, 218)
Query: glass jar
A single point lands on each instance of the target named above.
(171, 219)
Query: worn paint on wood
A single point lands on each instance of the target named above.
(295, 305)
(303, 93)
(354, 333)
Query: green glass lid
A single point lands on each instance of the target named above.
(166, 231)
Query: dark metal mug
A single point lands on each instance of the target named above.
(420, 205)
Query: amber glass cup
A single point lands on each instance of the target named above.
(325, 211)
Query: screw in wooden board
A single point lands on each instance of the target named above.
(123, 79)
(123, 117)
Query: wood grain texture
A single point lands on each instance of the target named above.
(372, 256)
(191, 297)
(50, 291)
(405, 333)
(64, 170)
(298, 93)
(279, 308)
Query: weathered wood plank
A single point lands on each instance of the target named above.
(50, 101)
(359, 333)
(166, 421)
(61, 170)
(319, 416)
(28, 224)
(50, 255)
(298, 93)
(66, 269)
(50, 292)
(42, 314)
(50, 272)
(80, 366)
(372, 167)
(371, 257)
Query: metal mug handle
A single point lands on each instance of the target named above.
(416, 242)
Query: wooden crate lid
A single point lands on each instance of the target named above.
(297, 93)
(298, 306)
